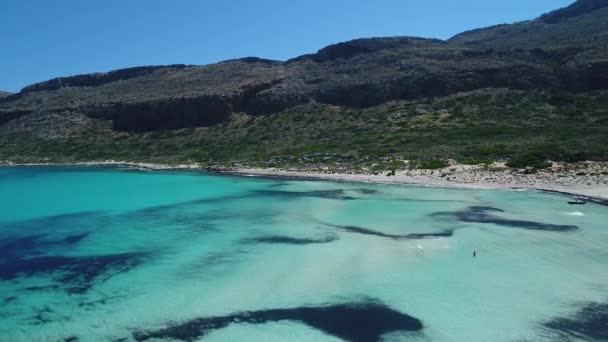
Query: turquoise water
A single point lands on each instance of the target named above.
(113, 254)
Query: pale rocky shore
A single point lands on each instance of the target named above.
(586, 179)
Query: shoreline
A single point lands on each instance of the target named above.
(457, 176)
(597, 193)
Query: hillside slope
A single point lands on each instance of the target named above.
(532, 87)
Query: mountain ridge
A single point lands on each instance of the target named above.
(333, 51)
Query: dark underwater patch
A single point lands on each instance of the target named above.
(589, 323)
(52, 222)
(365, 322)
(100, 302)
(218, 200)
(48, 237)
(35, 244)
(8, 300)
(42, 288)
(46, 315)
(186, 217)
(173, 216)
(325, 194)
(25, 245)
(43, 316)
(74, 239)
(162, 210)
(286, 240)
(211, 262)
(365, 191)
(76, 274)
(181, 214)
(480, 214)
(217, 258)
(412, 236)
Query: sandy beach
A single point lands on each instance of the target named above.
(585, 186)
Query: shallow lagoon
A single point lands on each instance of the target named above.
(115, 254)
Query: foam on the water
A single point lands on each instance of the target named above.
(109, 254)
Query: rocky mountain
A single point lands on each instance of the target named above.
(561, 51)
(360, 73)
(574, 39)
(4, 93)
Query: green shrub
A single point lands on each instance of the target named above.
(574, 156)
(396, 165)
(534, 159)
(433, 164)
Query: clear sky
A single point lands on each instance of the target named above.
(42, 39)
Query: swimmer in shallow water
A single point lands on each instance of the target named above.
(474, 254)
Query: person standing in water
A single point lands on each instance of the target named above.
(474, 254)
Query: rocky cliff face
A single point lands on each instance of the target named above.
(200, 111)
(565, 49)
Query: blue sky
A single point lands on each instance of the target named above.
(42, 39)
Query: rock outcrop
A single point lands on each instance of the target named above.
(576, 9)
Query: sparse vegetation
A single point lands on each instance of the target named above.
(491, 125)
(534, 159)
(433, 164)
